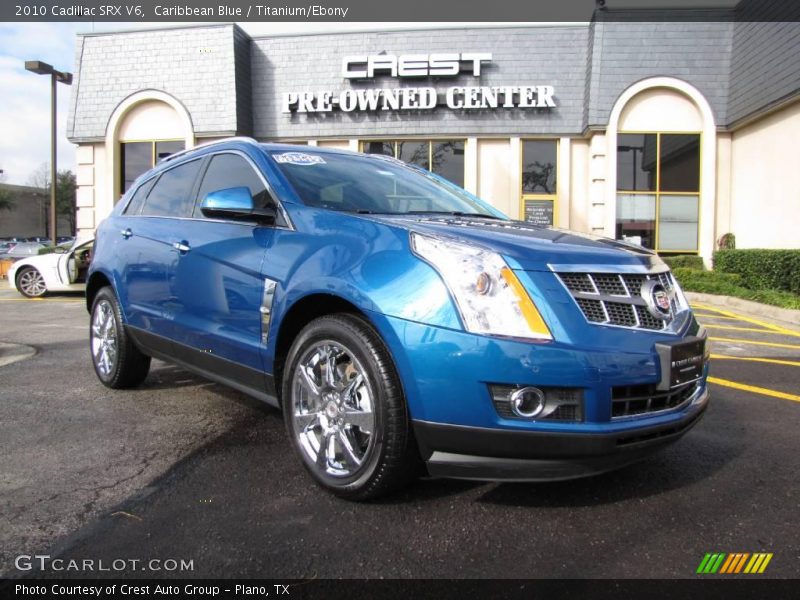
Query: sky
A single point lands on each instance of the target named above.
(25, 97)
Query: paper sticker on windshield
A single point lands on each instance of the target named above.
(298, 158)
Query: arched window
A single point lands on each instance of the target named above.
(148, 133)
(661, 167)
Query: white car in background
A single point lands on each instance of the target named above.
(61, 271)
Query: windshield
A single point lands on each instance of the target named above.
(373, 185)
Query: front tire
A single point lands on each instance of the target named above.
(30, 283)
(117, 361)
(344, 409)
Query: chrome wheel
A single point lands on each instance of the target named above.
(31, 283)
(332, 408)
(104, 338)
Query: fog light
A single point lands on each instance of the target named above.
(539, 404)
(527, 402)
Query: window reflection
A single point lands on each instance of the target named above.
(539, 160)
(636, 219)
(636, 161)
(137, 158)
(378, 147)
(443, 157)
(447, 160)
(658, 183)
(680, 163)
(414, 152)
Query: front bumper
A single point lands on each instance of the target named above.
(502, 455)
(447, 374)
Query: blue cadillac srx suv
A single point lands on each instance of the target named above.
(400, 323)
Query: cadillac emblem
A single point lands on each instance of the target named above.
(657, 299)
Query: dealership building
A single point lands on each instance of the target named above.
(669, 133)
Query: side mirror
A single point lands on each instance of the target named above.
(235, 203)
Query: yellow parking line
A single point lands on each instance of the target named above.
(775, 361)
(738, 317)
(756, 390)
(732, 328)
(40, 300)
(710, 316)
(740, 341)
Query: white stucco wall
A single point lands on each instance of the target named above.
(765, 181)
(495, 166)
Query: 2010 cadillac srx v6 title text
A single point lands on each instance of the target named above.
(400, 323)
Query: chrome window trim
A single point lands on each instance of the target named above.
(228, 222)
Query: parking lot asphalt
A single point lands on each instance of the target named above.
(185, 469)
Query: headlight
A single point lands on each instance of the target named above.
(680, 297)
(490, 298)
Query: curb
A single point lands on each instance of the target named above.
(11, 353)
(786, 316)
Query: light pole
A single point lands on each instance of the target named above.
(42, 68)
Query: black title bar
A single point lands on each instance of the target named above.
(167, 11)
(711, 588)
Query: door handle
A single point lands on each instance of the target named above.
(182, 247)
(126, 233)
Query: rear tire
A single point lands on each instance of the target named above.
(345, 412)
(30, 283)
(117, 361)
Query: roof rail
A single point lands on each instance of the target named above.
(241, 138)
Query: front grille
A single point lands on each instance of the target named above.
(620, 313)
(614, 299)
(609, 284)
(635, 400)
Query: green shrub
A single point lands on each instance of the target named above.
(689, 261)
(51, 249)
(707, 282)
(730, 284)
(762, 269)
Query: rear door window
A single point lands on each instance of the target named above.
(135, 205)
(171, 195)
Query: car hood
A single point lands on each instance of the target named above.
(529, 247)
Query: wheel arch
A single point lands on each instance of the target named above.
(301, 313)
(97, 281)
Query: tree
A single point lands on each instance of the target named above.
(65, 197)
(65, 194)
(40, 179)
